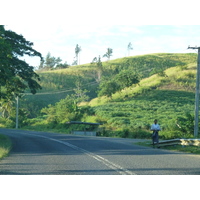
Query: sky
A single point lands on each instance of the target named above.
(61, 40)
(58, 26)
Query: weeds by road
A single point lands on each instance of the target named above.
(5, 146)
(186, 149)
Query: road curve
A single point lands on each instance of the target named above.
(41, 153)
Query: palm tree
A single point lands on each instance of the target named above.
(108, 54)
(6, 107)
(129, 48)
(77, 53)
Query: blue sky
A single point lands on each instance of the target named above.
(60, 40)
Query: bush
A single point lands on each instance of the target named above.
(7, 123)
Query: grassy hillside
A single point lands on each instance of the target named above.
(169, 99)
(166, 92)
(57, 84)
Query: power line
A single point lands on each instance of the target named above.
(45, 93)
(58, 92)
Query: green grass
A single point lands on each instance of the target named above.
(180, 148)
(165, 98)
(140, 111)
(186, 149)
(65, 79)
(5, 146)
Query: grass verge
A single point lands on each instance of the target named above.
(186, 149)
(5, 146)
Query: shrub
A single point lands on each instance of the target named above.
(8, 123)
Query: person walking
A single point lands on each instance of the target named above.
(155, 137)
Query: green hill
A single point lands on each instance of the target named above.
(57, 84)
(165, 92)
(169, 99)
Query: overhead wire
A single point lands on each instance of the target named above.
(58, 92)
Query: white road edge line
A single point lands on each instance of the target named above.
(106, 162)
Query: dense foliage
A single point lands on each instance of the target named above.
(122, 80)
(15, 74)
(52, 63)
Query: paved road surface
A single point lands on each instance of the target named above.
(43, 153)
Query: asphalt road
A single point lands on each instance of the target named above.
(41, 153)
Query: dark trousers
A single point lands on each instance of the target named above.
(155, 137)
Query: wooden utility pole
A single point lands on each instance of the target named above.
(196, 117)
(17, 111)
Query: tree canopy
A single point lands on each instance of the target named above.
(108, 54)
(99, 68)
(124, 79)
(77, 55)
(51, 62)
(129, 48)
(15, 74)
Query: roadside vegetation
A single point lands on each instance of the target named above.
(5, 146)
(185, 149)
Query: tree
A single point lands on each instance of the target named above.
(108, 54)
(124, 79)
(108, 88)
(64, 111)
(129, 48)
(80, 93)
(62, 66)
(77, 54)
(15, 74)
(52, 62)
(99, 68)
(75, 62)
(41, 66)
(6, 107)
(127, 78)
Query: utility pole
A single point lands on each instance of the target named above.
(196, 117)
(17, 111)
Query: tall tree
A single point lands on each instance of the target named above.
(129, 48)
(75, 61)
(41, 66)
(108, 54)
(15, 74)
(80, 93)
(51, 62)
(99, 68)
(77, 54)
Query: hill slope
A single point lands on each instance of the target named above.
(169, 99)
(57, 84)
